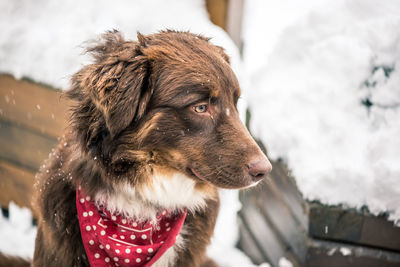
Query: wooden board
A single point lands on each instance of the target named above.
(273, 206)
(246, 242)
(218, 10)
(330, 254)
(228, 14)
(290, 193)
(336, 223)
(16, 184)
(235, 21)
(38, 107)
(24, 147)
(32, 116)
(263, 235)
(279, 204)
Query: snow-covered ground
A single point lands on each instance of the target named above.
(17, 234)
(325, 95)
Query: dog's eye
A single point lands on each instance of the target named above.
(200, 108)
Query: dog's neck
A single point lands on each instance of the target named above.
(173, 191)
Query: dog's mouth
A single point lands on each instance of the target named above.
(227, 185)
(227, 179)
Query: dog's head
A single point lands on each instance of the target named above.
(166, 101)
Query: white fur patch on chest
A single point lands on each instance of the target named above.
(174, 192)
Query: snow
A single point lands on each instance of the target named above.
(283, 262)
(44, 40)
(345, 251)
(314, 68)
(17, 234)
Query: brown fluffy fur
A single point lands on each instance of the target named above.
(135, 112)
(9, 261)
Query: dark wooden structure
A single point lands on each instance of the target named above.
(32, 116)
(276, 222)
(228, 14)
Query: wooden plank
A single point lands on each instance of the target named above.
(332, 254)
(16, 185)
(228, 14)
(290, 193)
(247, 244)
(272, 205)
(234, 21)
(379, 232)
(284, 211)
(29, 104)
(24, 147)
(336, 223)
(218, 9)
(264, 236)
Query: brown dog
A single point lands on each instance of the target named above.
(154, 128)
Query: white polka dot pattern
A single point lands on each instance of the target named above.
(112, 240)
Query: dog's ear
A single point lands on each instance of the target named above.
(115, 87)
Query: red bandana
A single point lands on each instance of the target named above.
(112, 240)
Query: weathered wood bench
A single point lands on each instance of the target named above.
(276, 222)
(32, 116)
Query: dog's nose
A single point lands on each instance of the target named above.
(259, 168)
